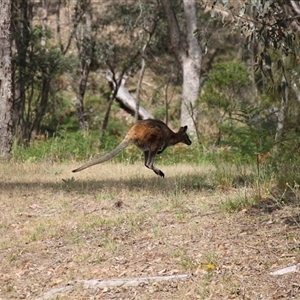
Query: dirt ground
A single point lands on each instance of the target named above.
(58, 230)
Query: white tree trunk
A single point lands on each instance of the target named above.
(189, 55)
(190, 94)
(85, 52)
(281, 114)
(191, 66)
(6, 126)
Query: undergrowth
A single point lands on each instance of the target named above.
(231, 170)
(74, 146)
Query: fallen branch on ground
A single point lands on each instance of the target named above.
(286, 270)
(102, 284)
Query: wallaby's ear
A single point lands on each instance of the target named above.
(183, 129)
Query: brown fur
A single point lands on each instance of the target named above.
(150, 136)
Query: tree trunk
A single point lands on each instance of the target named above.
(41, 109)
(191, 65)
(140, 81)
(80, 99)
(6, 126)
(85, 49)
(148, 31)
(21, 24)
(189, 55)
(281, 114)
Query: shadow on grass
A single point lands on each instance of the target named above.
(185, 183)
(270, 205)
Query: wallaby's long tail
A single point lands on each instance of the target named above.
(104, 158)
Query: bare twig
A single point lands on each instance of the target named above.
(142, 72)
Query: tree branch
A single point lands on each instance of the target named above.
(174, 31)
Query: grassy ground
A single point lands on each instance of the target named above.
(122, 221)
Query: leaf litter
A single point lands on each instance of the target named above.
(112, 225)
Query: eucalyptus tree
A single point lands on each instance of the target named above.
(6, 126)
(84, 39)
(188, 52)
(271, 30)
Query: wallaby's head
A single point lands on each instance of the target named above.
(185, 138)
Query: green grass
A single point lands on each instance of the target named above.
(74, 146)
(238, 202)
(231, 168)
(65, 146)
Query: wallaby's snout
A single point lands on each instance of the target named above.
(185, 138)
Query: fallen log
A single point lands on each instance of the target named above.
(98, 283)
(125, 98)
(102, 284)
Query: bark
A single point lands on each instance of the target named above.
(281, 114)
(22, 14)
(294, 85)
(85, 50)
(174, 31)
(6, 126)
(41, 109)
(282, 111)
(189, 55)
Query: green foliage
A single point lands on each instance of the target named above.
(231, 170)
(226, 104)
(237, 203)
(64, 146)
(45, 60)
(267, 23)
(225, 84)
(246, 127)
(37, 63)
(250, 132)
(247, 131)
(285, 162)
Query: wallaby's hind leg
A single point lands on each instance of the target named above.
(146, 155)
(149, 160)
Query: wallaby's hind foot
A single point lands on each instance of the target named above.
(149, 162)
(156, 171)
(160, 173)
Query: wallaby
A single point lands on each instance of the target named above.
(152, 137)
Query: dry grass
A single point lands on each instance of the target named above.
(114, 220)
